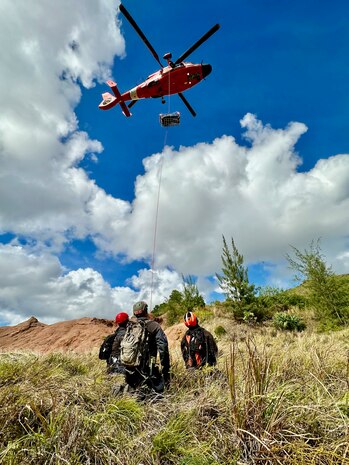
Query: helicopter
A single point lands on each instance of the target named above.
(174, 78)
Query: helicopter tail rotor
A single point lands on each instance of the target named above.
(109, 101)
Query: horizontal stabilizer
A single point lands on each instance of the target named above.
(118, 98)
(109, 101)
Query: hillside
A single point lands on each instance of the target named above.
(80, 335)
(277, 398)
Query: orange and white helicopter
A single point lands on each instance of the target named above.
(175, 78)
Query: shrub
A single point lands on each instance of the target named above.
(285, 321)
(180, 302)
(253, 311)
(279, 300)
(219, 331)
(249, 317)
(327, 294)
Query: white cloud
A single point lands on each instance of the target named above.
(48, 48)
(37, 284)
(255, 194)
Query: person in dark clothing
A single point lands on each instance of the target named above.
(110, 349)
(149, 377)
(122, 321)
(198, 345)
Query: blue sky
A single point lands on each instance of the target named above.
(265, 161)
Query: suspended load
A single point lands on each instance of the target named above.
(170, 119)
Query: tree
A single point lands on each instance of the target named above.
(179, 302)
(191, 296)
(234, 280)
(327, 294)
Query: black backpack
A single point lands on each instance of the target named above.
(196, 346)
(106, 347)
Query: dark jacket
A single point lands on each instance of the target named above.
(119, 335)
(158, 344)
(199, 348)
(150, 375)
(110, 350)
(106, 348)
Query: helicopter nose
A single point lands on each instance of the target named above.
(206, 70)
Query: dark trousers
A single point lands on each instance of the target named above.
(152, 381)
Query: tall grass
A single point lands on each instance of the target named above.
(276, 399)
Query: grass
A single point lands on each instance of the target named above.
(278, 398)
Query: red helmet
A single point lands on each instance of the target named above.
(121, 318)
(190, 320)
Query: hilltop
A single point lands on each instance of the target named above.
(79, 335)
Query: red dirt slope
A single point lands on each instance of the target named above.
(80, 336)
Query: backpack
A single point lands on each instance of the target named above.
(106, 347)
(196, 346)
(134, 350)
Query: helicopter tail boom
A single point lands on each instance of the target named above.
(109, 101)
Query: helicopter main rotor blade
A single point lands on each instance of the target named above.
(130, 105)
(197, 44)
(140, 33)
(187, 104)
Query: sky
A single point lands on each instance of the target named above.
(98, 211)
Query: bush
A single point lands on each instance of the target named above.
(181, 302)
(219, 331)
(249, 318)
(285, 321)
(253, 312)
(327, 294)
(277, 300)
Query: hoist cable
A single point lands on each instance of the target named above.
(152, 269)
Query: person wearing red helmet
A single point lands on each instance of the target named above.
(122, 320)
(110, 349)
(198, 345)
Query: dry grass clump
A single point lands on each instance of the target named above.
(275, 399)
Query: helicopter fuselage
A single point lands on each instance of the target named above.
(168, 81)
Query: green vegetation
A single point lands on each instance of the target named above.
(246, 302)
(234, 280)
(276, 399)
(288, 322)
(180, 302)
(220, 331)
(328, 295)
(322, 296)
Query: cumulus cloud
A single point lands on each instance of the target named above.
(48, 51)
(254, 193)
(37, 284)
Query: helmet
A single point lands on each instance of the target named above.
(121, 317)
(190, 320)
(140, 307)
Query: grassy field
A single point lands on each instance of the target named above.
(277, 398)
